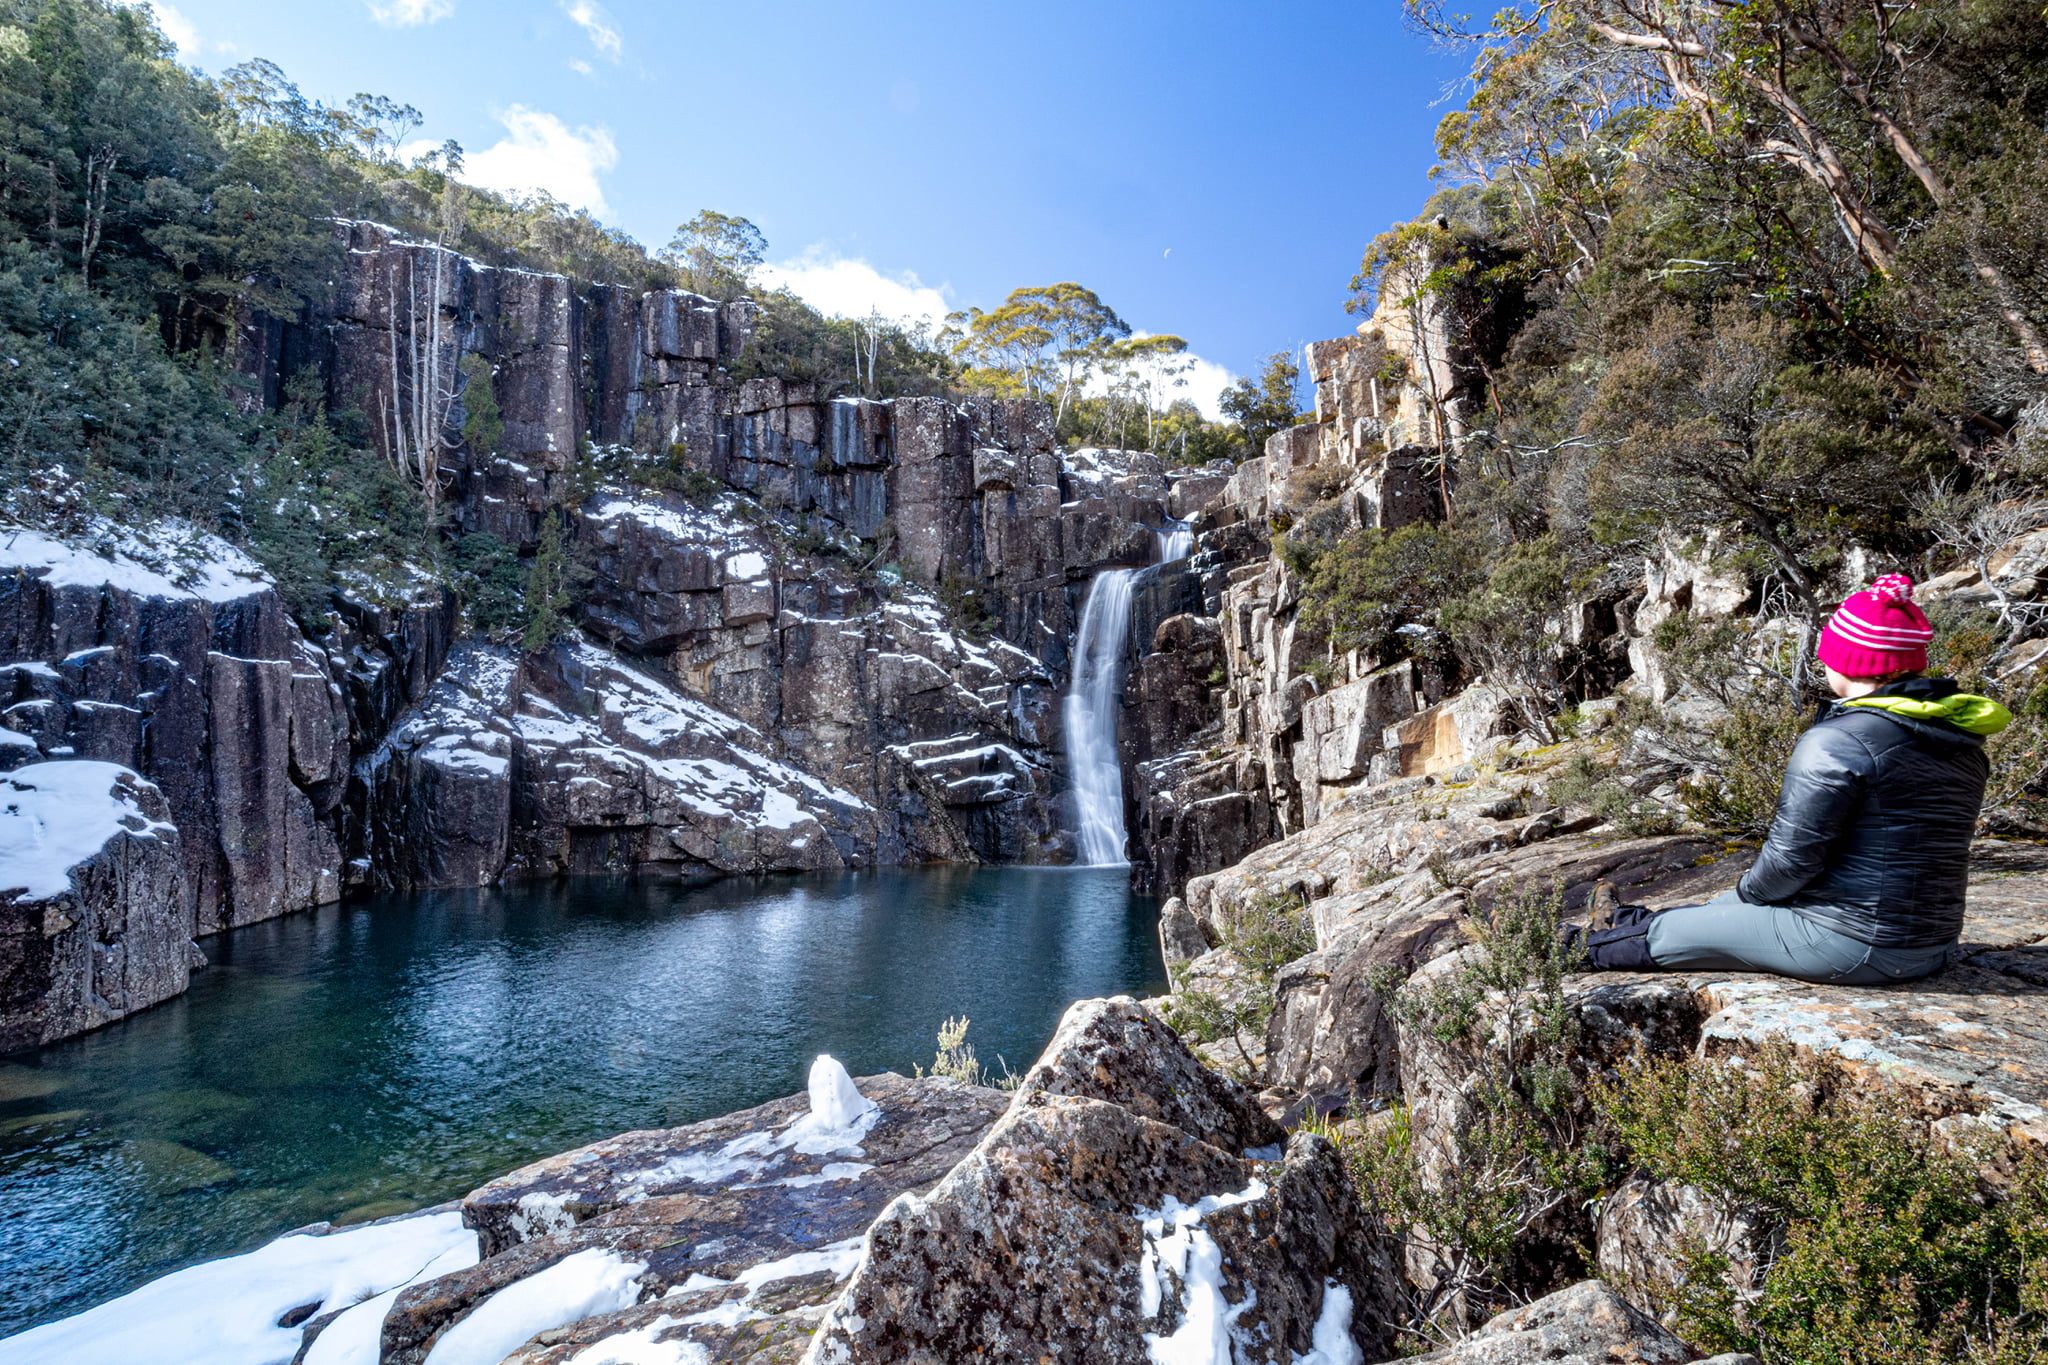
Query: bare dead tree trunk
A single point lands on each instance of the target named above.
(99, 170)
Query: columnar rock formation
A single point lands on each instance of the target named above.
(841, 642)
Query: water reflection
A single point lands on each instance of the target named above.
(394, 1053)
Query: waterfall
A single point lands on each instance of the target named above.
(1091, 718)
(1176, 541)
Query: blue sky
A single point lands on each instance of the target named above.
(1212, 170)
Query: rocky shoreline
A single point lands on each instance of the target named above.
(1129, 1200)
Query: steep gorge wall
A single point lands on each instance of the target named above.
(848, 652)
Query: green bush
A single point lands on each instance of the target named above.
(1894, 1252)
(1516, 1174)
(1585, 785)
(483, 426)
(1361, 591)
(488, 575)
(1746, 765)
(1265, 934)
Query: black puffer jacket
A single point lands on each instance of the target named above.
(1872, 833)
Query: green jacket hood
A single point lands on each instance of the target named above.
(1966, 711)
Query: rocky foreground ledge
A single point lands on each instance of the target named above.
(1129, 1202)
(1126, 1204)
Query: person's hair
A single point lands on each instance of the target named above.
(1899, 676)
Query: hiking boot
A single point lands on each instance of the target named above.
(1625, 948)
(1604, 902)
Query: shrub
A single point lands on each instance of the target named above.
(956, 1060)
(483, 425)
(487, 573)
(1264, 935)
(1585, 784)
(1738, 787)
(1517, 1170)
(1891, 1250)
(1359, 593)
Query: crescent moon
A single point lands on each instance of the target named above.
(1168, 252)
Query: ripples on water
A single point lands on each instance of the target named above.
(392, 1053)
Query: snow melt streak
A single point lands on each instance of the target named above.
(1180, 1252)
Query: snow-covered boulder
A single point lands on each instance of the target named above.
(726, 1237)
(92, 919)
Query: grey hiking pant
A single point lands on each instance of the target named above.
(1728, 934)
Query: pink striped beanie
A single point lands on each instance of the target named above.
(1877, 633)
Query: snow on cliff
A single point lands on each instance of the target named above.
(54, 816)
(165, 559)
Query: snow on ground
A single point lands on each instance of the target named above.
(225, 1312)
(356, 1337)
(581, 1285)
(163, 559)
(54, 816)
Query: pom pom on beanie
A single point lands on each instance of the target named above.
(1877, 633)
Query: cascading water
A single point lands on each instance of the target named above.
(1091, 707)
(1091, 718)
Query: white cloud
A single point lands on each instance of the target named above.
(851, 288)
(592, 19)
(581, 67)
(542, 153)
(183, 34)
(1206, 383)
(407, 13)
(1203, 381)
(177, 28)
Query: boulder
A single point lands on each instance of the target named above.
(92, 924)
(1587, 1324)
(1459, 730)
(1089, 1225)
(1644, 1230)
(729, 1233)
(1180, 934)
(1118, 1051)
(1343, 729)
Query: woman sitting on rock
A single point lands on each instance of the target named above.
(1863, 876)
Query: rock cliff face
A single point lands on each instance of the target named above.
(92, 926)
(171, 654)
(841, 643)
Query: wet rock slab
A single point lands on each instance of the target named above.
(740, 1226)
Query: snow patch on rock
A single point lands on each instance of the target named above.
(639, 1347)
(163, 559)
(54, 816)
(225, 1312)
(1187, 1259)
(581, 1285)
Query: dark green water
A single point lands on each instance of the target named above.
(393, 1053)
